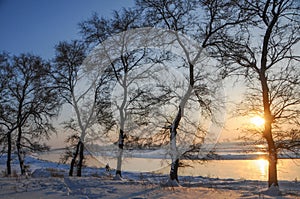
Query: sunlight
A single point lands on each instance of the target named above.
(262, 165)
(257, 121)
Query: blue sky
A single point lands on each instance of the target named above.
(36, 26)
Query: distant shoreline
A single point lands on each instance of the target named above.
(147, 154)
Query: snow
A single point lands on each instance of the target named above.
(51, 180)
(170, 183)
(272, 191)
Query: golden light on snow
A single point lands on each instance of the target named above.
(257, 121)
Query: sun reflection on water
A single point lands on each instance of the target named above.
(262, 164)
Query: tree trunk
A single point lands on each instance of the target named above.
(21, 158)
(174, 170)
(272, 177)
(120, 154)
(74, 160)
(174, 151)
(81, 156)
(173, 130)
(8, 165)
(123, 117)
(20, 152)
(272, 153)
(272, 171)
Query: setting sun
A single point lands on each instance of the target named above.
(257, 121)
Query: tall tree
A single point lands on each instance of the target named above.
(7, 124)
(69, 57)
(129, 65)
(264, 51)
(87, 94)
(202, 21)
(32, 103)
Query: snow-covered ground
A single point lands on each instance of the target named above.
(50, 180)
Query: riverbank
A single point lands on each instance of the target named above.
(50, 180)
(229, 167)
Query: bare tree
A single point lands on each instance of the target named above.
(30, 104)
(132, 100)
(86, 94)
(264, 51)
(203, 21)
(7, 124)
(69, 57)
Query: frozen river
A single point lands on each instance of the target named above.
(254, 169)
